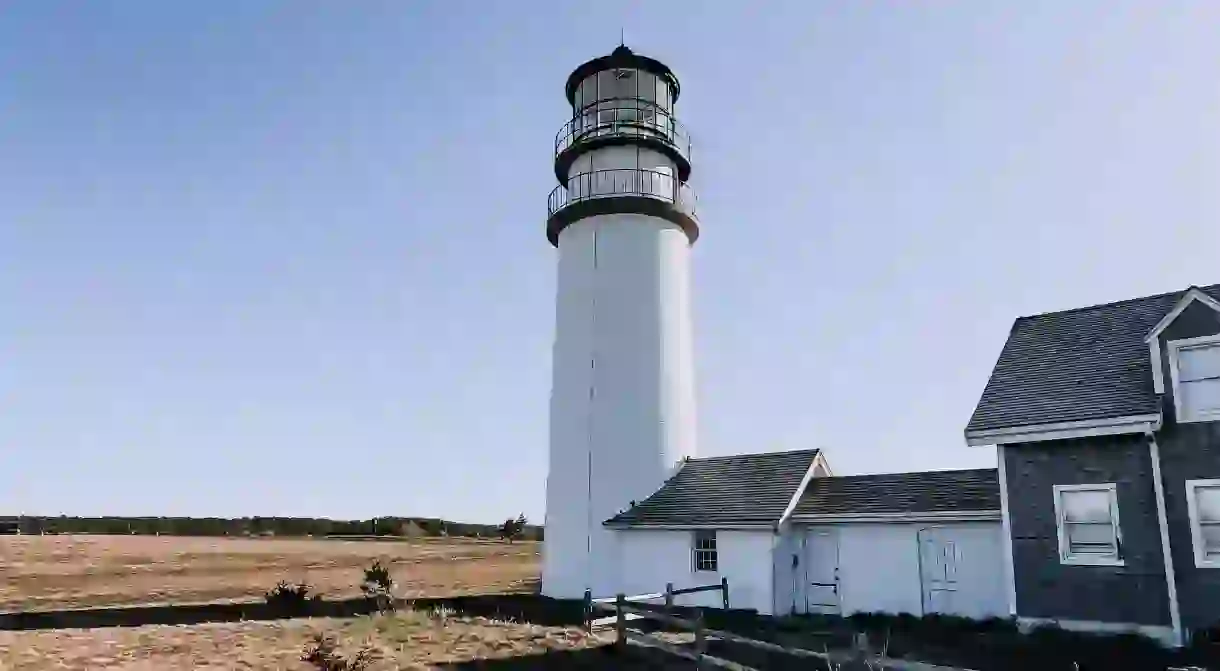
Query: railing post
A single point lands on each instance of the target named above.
(588, 610)
(669, 596)
(724, 591)
(700, 639)
(620, 624)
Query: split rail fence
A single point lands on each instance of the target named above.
(636, 607)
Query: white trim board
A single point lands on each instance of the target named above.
(872, 518)
(1157, 632)
(1171, 581)
(1010, 574)
(1153, 338)
(1192, 294)
(1063, 430)
(800, 489)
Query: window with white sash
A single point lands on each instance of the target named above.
(703, 551)
(1194, 366)
(1203, 504)
(1087, 518)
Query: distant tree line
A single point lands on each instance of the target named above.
(411, 527)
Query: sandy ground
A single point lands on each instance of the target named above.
(405, 640)
(56, 572)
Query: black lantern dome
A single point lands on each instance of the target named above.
(622, 99)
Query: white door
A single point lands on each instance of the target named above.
(938, 558)
(822, 572)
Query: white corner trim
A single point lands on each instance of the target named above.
(1158, 373)
(800, 489)
(1160, 633)
(821, 460)
(1173, 347)
(1061, 430)
(939, 516)
(1061, 528)
(1196, 535)
(1171, 581)
(1193, 294)
(1010, 573)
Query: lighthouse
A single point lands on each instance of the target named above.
(622, 411)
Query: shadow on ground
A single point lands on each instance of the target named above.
(521, 607)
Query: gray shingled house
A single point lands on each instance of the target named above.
(792, 537)
(1107, 426)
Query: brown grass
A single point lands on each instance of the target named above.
(406, 640)
(56, 572)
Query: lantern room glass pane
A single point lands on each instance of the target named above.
(662, 96)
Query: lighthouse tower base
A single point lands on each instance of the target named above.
(622, 401)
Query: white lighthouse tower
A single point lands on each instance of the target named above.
(623, 392)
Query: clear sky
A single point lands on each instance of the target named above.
(288, 257)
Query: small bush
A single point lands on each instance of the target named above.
(323, 653)
(378, 586)
(290, 598)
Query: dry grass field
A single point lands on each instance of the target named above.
(405, 640)
(59, 572)
(63, 572)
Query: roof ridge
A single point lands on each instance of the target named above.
(1206, 289)
(720, 457)
(878, 475)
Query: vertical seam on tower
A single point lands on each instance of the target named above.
(589, 419)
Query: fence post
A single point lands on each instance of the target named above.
(588, 610)
(669, 596)
(700, 639)
(724, 591)
(620, 624)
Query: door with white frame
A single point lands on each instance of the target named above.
(822, 589)
(939, 554)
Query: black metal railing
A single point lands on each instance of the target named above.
(628, 120)
(623, 182)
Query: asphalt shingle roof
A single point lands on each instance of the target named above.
(926, 492)
(740, 489)
(1082, 364)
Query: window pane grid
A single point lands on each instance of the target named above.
(704, 551)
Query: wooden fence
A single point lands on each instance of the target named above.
(636, 607)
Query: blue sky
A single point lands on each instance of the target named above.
(288, 257)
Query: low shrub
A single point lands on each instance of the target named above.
(323, 653)
(290, 598)
(378, 586)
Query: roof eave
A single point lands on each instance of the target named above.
(929, 516)
(681, 526)
(1033, 433)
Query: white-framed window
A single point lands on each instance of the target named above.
(703, 551)
(1087, 517)
(1194, 367)
(1203, 504)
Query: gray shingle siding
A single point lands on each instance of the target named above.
(1134, 593)
(1189, 452)
(1084, 364)
(745, 489)
(931, 491)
